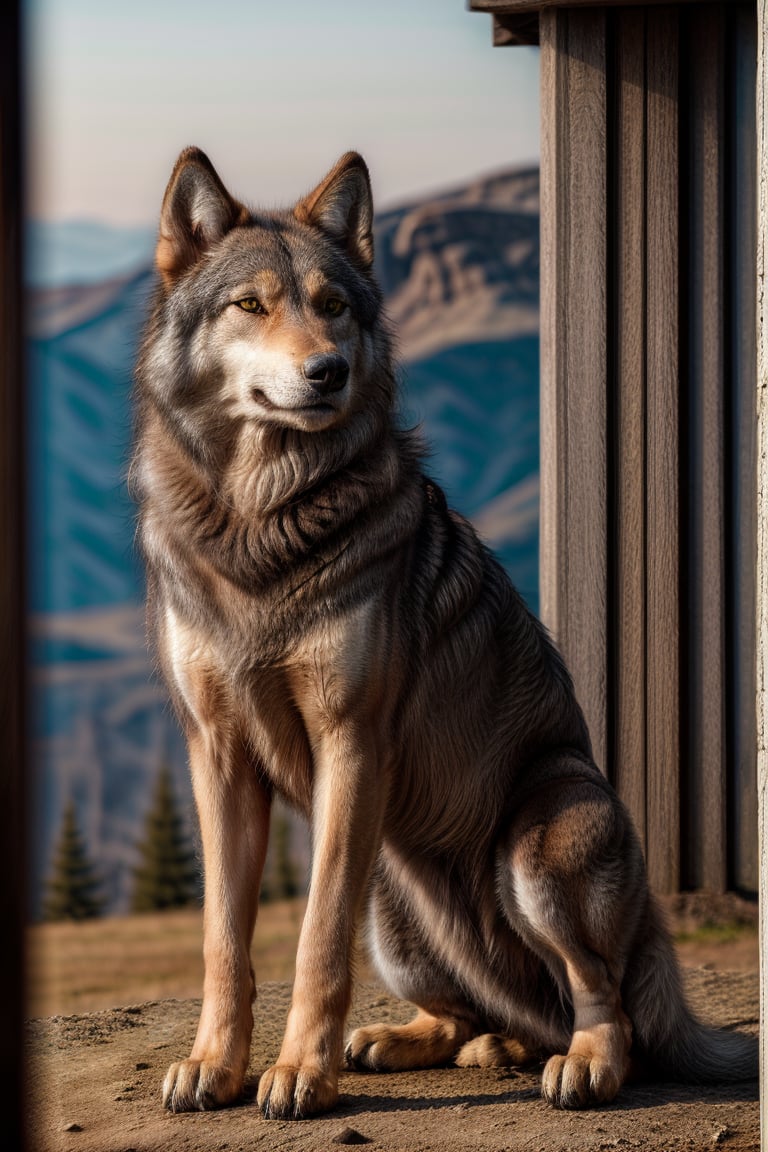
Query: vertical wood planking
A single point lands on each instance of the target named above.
(629, 475)
(14, 761)
(706, 863)
(662, 452)
(742, 242)
(762, 543)
(552, 576)
(574, 374)
(586, 372)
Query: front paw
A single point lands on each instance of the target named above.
(291, 1093)
(196, 1085)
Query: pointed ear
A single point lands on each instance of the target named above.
(197, 211)
(342, 206)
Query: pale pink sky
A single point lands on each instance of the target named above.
(274, 92)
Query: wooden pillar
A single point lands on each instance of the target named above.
(647, 510)
(662, 445)
(630, 359)
(610, 367)
(12, 599)
(762, 544)
(573, 352)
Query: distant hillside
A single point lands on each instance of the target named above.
(460, 273)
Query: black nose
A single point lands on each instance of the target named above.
(326, 372)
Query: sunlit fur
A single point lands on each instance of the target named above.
(330, 631)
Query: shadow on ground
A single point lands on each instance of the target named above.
(95, 1087)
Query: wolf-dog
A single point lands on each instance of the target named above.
(331, 632)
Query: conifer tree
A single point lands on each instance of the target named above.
(73, 887)
(286, 884)
(280, 880)
(167, 876)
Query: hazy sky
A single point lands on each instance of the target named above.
(273, 90)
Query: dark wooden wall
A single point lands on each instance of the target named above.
(648, 414)
(12, 598)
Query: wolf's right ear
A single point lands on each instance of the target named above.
(342, 206)
(197, 211)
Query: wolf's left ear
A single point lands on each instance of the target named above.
(342, 206)
(197, 211)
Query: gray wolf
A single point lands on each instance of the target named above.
(332, 632)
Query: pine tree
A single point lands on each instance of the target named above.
(73, 886)
(280, 880)
(168, 876)
(286, 884)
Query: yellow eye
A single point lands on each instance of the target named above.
(250, 304)
(334, 307)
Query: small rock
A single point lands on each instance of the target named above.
(73, 1127)
(721, 1135)
(349, 1136)
(141, 1065)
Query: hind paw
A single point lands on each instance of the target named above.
(576, 1081)
(375, 1049)
(492, 1051)
(426, 1042)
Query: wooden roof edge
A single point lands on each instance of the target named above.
(509, 8)
(517, 21)
(508, 30)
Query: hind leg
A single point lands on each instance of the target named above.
(570, 881)
(444, 1021)
(425, 1042)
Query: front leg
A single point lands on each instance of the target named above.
(348, 805)
(234, 822)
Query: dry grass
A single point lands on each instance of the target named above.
(81, 967)
(123, 960)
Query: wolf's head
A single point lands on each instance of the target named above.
(267, 318)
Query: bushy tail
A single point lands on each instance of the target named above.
(667, 1034)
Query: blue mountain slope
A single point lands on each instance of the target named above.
(82, 521)
(478, 404)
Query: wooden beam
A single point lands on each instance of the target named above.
(573, 352)
(705, 680)
(629, 486)
(514, 30)
(662, 452)
(13, 884)
(742, 248)
(516, 22)
(514, 7)
(762, 543)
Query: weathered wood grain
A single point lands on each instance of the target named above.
(629, 537)
(743, 449)
(662, 452)
(14, 760)
(762, 542)
(552, 311)
(573, 368)
(705, 685)
(510, 7)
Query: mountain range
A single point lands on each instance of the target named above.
(460, 276)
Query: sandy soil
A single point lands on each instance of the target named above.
(95, 1087)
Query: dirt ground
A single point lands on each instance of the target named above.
(95, 1083)
(95, 1077)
